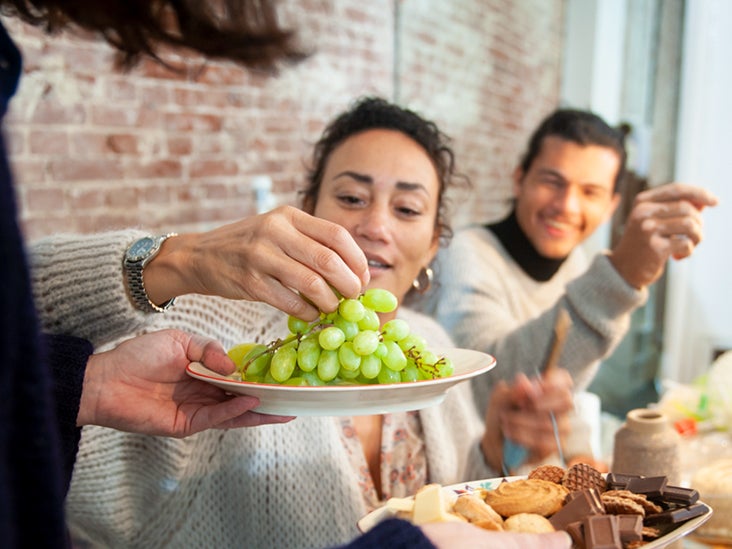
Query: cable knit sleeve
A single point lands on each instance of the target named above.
(487, 303)
(79, 287)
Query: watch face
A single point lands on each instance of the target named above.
(140, 249)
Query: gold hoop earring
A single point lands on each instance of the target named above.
(423, 282)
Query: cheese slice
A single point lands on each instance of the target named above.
(431, 505)
(405, 505)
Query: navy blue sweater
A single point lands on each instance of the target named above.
(38, 439)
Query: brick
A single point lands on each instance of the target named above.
(123, 197)
(68, 169)
(192, 122)
(155, 169)
(44, 199)
(156, 194)
(27, 172)
(180, 146)
(49, 111)
(14, 141)
(48, 142)
(87, 199)
(120, 89)
(123, 143)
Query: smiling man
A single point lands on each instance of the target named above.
(501, 285)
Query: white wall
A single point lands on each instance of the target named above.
(593, 68)
(699, 296)
(699, 306)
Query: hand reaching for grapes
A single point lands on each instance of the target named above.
(285, 257)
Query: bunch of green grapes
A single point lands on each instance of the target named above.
(346, 346)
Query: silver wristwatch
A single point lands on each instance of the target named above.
(137, 256)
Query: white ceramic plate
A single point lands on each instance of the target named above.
(353, 399)
(382, 513)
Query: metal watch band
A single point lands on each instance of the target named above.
(136, 284)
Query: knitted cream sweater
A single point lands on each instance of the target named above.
(283, 486)
(487, 302)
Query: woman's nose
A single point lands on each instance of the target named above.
(373, 224)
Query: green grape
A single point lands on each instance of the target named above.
(269, 379)
(381, 350)
(331, 338)
(366, 342)
(370, 320)
(348, 358)
(296, 326)
(328, 365)
(410, 372)
(394, 358)
(348, 374)
(395, 330)
(312, 379)
(349, 329)
(238, 352)
(445, 367)
(428, 357)
(413, 341)
(308, 353)
(352, 310)
(370, 366)
(381, 301)
(252, 378)
(283, 363)
(257, 366)
(298, 381)
(387, 375)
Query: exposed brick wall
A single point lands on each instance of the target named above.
(93, 148)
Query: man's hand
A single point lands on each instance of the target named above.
(522, 412)
(665, 222)
(142, 386)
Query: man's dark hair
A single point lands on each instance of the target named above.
(580, 127)
(244, 31)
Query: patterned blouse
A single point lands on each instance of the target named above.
(403, 458)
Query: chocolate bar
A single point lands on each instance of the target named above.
(630, 528)
(619, 481)
(576, 531)
(675, 516)
(581, 504)
(601, 532)
(680, 495)
(651, 487)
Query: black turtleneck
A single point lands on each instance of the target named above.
(519, 247)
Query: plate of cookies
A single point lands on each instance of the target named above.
(596, 509)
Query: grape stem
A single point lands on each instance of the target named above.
(272, 347)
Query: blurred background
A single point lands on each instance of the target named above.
(94, 148)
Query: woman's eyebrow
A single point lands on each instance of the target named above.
(367, 179)
(360, 177)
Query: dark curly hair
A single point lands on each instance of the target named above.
(374, 112)
(244, 31)
(580, 127)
